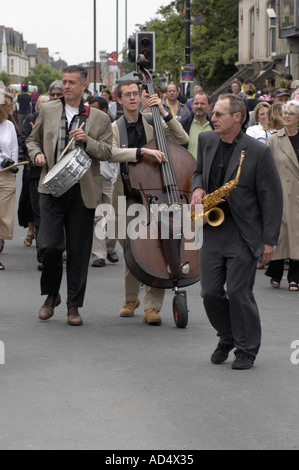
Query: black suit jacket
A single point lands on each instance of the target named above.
(256, 202)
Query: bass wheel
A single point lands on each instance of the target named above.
(180, 309)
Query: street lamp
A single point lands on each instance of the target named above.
(95, 45)
(116, 26)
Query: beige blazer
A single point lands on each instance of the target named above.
(44, 137)
(288, 168)
(173, 131)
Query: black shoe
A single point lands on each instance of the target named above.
(221, 353)
(242, 361)
(113, 258)
(98, 263)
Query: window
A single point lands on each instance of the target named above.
(272, 30)
(252, 32)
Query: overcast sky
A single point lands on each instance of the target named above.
(66, 26)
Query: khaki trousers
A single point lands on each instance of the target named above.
(7, 202)
(152, 297)
(100, 248)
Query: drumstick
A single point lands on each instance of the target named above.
(82, 125)
(13, 166)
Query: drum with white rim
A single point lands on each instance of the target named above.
(67, 172)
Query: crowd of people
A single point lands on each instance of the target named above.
(260, 214)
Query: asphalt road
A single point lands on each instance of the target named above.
(118, 384)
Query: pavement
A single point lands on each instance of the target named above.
(118, 384)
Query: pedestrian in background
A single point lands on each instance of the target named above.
(9, 151)
(103, 248)
(24, 104)
(285, 148)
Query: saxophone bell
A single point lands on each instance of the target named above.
(213, 217)
(211, 214)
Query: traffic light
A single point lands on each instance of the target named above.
(132, 50)
(146, 46)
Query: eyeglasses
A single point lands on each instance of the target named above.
(128, 95)
(289, 113)
(59, 95)
(217, 114)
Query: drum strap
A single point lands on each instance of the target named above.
(77, 121)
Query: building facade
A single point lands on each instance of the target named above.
(269, 37)
(3, 51)
(18, 62)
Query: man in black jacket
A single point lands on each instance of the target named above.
(24, 102)
(253, 212)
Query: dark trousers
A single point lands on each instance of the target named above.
(276, 268)
(34, 197)
(228, 272)
(66, 224)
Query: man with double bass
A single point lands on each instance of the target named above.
(130, 134)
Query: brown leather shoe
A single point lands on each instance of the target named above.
(47, 309)
(73, 317)
(128, 308)
(152, 317)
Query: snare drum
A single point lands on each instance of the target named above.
(67, 172)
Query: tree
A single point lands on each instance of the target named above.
(169, 42)
(42, 76)
(214, 39)
(4, 77)
(214, 47)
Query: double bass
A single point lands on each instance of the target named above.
(165, 191)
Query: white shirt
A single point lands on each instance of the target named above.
(112, 111)
(258, 133)
(8, 142)
(70, 112)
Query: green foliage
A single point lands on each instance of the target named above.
(214, 46)
(214, 40)
(170, 41)
(42, 76)
(4, 77)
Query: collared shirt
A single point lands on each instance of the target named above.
(219, 168)
(8, 142)
(136, 133)
(195, 129)
(182, 112)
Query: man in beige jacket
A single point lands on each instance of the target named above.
(67, 221)
(138, 131)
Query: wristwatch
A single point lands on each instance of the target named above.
(168, 117)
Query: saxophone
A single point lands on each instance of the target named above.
(211, 214)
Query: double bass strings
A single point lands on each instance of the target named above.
(167, 168)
